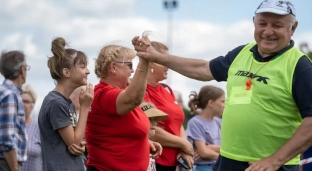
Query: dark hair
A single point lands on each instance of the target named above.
(10, 64)
(206, 93)
(64, 58)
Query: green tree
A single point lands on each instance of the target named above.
(188, 115)
(304, 47)
(310, 55)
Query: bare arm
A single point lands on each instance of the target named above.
(182, 133)
(10, 157)
(298, 143)
(193, 68)
(189, 150)
(75, 136)
(214, 147)
(68, 133)
(204, 151)
(132, 97)
(166, 139)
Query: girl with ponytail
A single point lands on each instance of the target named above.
(61, 134)
(203, 130)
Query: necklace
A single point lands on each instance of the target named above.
(248, 81)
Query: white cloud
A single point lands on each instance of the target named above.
(20, 41)
(102, 8)
(90, 25)
(25, 13)
(11, 40)
(198, 37)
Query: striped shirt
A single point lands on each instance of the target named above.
(12, 121)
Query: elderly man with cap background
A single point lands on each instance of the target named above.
(267, 117)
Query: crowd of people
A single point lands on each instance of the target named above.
(262, 123)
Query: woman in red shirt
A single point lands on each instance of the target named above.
(170, 132)
(117, 129)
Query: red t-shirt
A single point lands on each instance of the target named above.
(163, 98)
(116, 142)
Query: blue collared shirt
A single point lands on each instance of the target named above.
(12, 121)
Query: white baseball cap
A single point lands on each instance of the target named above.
(276, 7)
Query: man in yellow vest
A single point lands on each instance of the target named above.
(267, 118)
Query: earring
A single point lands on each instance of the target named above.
(152, 70)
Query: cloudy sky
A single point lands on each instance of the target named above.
(201, 29)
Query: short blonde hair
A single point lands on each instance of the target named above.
(28, 90)
(109, 54)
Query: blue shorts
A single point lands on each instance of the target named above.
(203, 167)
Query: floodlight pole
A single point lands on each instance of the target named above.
(170, 5)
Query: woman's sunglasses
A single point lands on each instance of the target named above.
(129, 64)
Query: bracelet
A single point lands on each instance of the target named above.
(140, 70)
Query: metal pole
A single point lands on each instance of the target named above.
(170, 5)
(169, 41)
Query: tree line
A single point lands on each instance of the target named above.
(304, 47)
